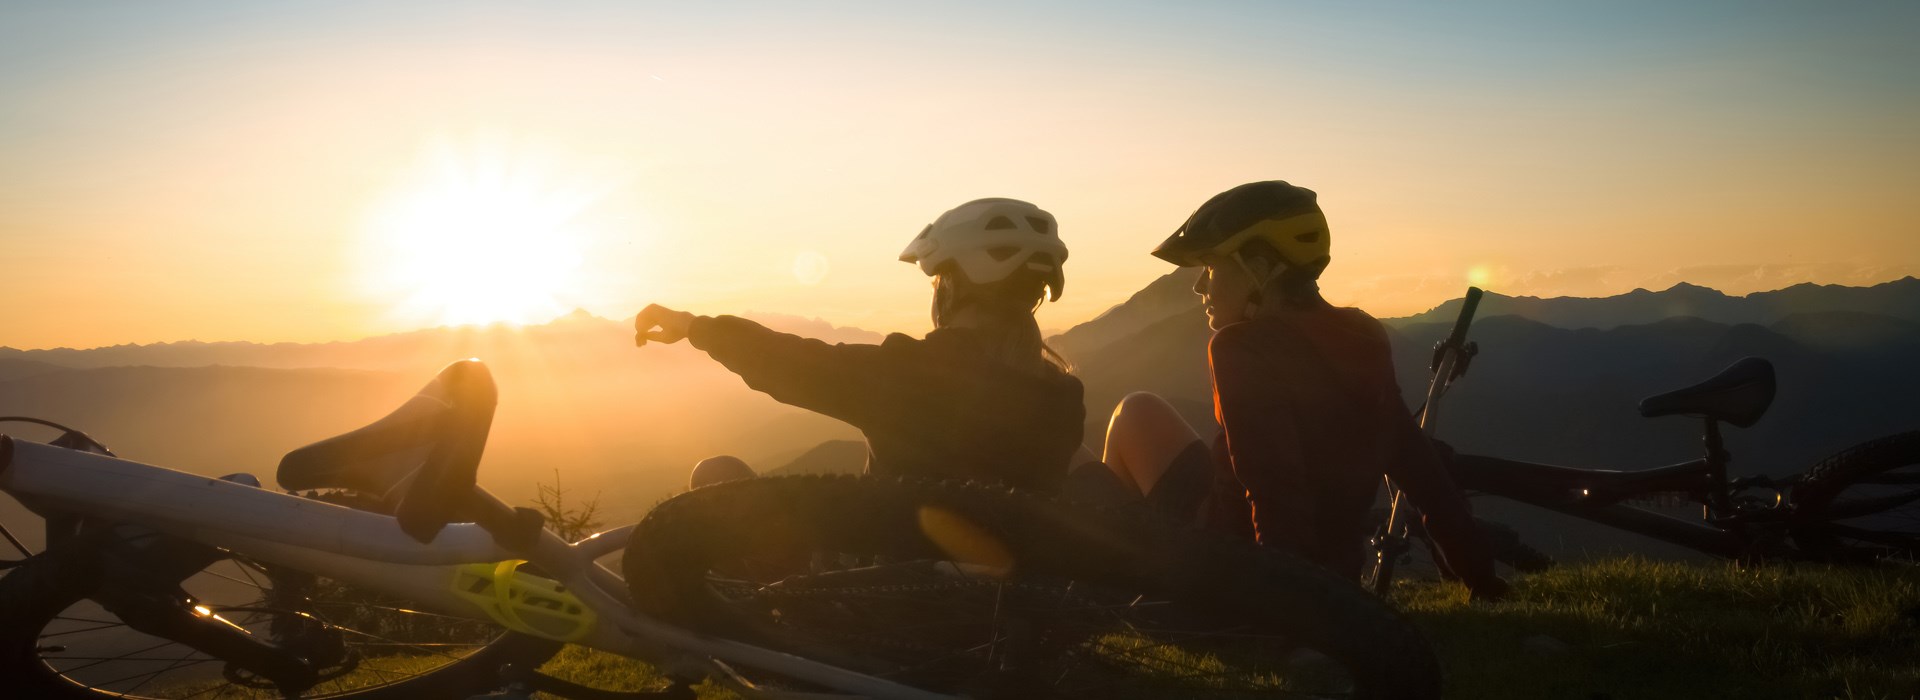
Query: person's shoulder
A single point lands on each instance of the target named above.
(1239, 339)
(1361, 322)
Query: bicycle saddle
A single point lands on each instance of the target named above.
(1738, 395)
(429, 448)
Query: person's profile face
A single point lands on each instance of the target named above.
(1224, 288)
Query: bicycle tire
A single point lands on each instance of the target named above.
(1862, 504)
(45, 610)
(1075, 595)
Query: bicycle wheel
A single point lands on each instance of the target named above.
(58, 642)
(990, 593)
(1862, 504)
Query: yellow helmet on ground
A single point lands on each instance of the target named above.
(1283, 216)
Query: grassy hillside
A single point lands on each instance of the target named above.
(1630, 628)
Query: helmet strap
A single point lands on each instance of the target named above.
(1260, 282)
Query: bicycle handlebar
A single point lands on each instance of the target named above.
(1467, 309)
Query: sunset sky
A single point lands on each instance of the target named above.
(313, 171)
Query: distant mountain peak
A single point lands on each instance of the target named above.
(1896, 299)
(1166, 296)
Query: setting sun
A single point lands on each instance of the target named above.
(480, 235)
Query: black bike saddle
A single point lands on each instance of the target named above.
(1738, 395)
(449, 417)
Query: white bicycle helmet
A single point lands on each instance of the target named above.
(987, 240)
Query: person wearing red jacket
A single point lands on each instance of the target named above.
(1305, 393)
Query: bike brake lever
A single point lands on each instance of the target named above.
(1464, 360)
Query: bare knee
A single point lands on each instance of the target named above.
(714, 470)
(1143, 438)
(1145, 418)
(1144, 410)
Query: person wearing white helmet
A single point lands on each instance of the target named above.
(980, 398)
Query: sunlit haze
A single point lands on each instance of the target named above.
(482, 235)
(316, 171)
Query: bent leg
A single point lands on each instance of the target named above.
(1144, 437)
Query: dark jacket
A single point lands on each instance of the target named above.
(936, 408)
(1313, 417)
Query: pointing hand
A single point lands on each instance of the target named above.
(661, 324)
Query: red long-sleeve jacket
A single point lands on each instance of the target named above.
(1313, 417)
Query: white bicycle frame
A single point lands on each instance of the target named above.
(369, 549)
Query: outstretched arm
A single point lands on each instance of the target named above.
(833, 380)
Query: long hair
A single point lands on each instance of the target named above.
(1009, 333)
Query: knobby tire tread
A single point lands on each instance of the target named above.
(1833, 475)
(670, 553)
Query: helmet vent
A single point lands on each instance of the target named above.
(1308, 237)
(999, 223)
(1039, 224)
(1001, 253)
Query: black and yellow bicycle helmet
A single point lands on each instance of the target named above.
(1286, 217)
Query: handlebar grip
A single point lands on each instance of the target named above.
(1467, 309)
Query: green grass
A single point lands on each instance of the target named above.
(1638, 629)
(611, 672)
(1626, 628)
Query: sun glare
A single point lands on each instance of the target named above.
(480, 235)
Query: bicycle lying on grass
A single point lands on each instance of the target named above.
(1861, 505)
(404, 579)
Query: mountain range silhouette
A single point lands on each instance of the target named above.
(1557, 381)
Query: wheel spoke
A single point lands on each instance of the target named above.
(17, 544)
(63, 633)
(156, 674)
(150, 676)
(169, 669)
(85, 619)
(102, 661)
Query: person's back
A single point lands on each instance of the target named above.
(939, 407)
(977, 418)
(980, 398)
(1307, 397)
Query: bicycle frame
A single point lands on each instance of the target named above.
(369, 549)
(1600, 496)
(1596, 495)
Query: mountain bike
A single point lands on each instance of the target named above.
(392, 574)
(1861, 505)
